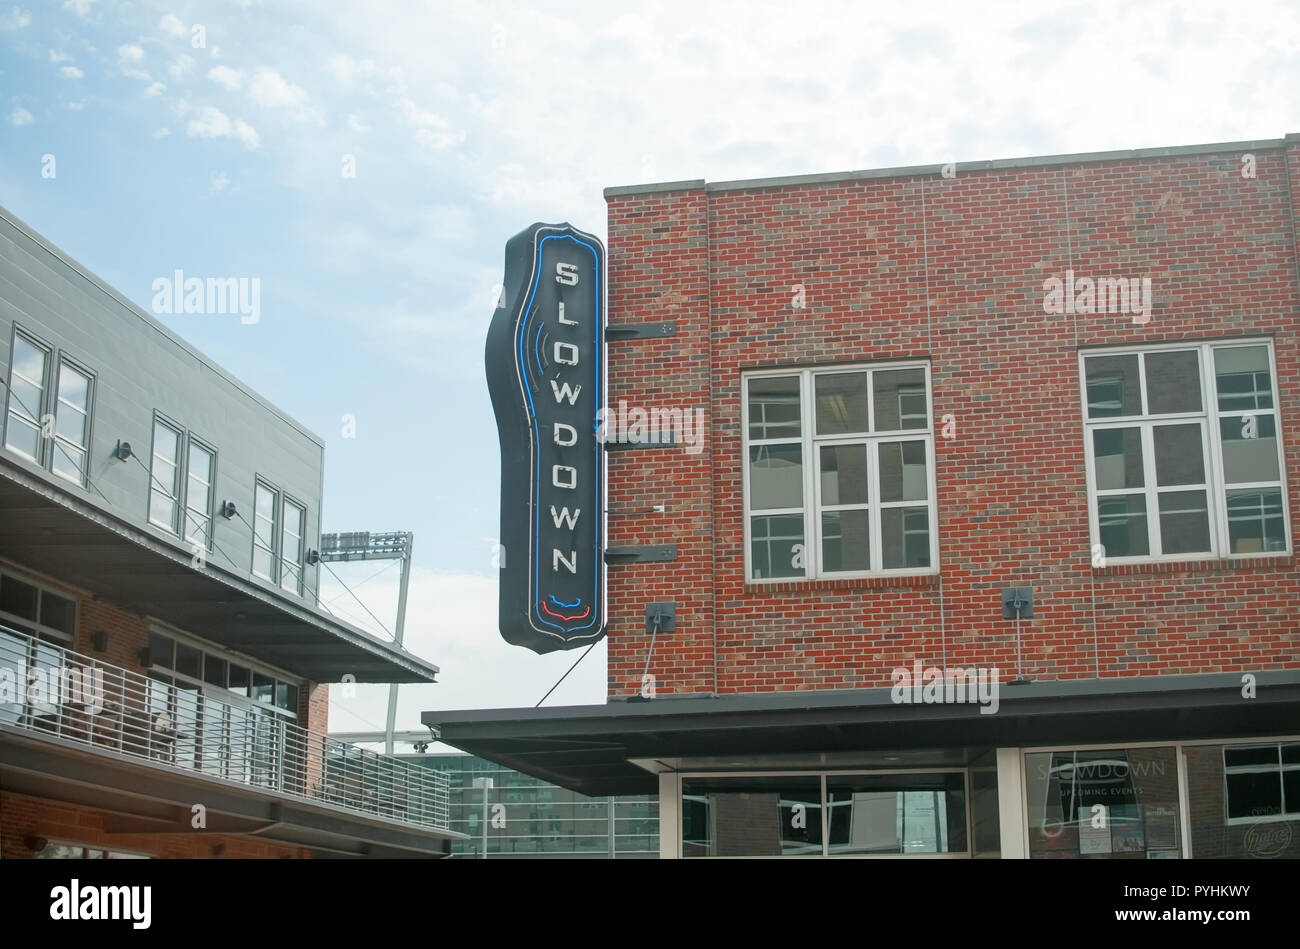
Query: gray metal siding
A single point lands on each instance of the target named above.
(140, 368)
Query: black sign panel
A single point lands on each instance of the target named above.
(544, 352)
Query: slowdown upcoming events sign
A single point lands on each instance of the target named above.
(544, 352)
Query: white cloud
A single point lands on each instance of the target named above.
(20, 117)
(71, 72)
(270, 90)
(76, 106)
(154, 90)
(129, 57)
(57, 58)
(15, 19)
(180, 66)
(225, 76)
(171, 25)
(356, 125)
(79, 7)
(218, 183)
(213, 123)
(162, 132)
(431, 130)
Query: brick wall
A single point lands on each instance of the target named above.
(949, 270)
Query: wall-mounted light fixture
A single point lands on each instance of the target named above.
(123, 450)
(227, 509)
(99, 640)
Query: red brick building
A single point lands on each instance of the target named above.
(1037, 420)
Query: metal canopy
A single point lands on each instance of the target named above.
(591, 749)
(46, 530)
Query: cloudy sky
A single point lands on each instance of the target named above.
(216, 137)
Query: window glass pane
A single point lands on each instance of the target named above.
(162, 509)
(293, 520)
(17, 597)
(161, 650)
(238, 680)
(1249, 448)
(289, 695)
(74, 387)
(841, 402)
(774, 407)
(25, 398)
(900, 400)
(1114, 386)
(1122, 525)
(1173, 382)
(58, 612)
(262, 562)
(1136, 789)
(214, 671)
(776, 546)
(1243, 378)
(1117, 458)
(1179, 458)
(187, 660)
(905, 537)
(846, 541)
(844, 474)
(1184, 522)
(29, 362)
(1239, 756)
(1255, 522)
(166, 441)
(1254, 794)
(69, 462)
(289, 576)
(263, 686)
(777, 816)
(775, 476)
(897, 814)
(902, 471)
(23, 437)
(265, 502)
(70, 423)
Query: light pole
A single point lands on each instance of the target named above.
(486, 785)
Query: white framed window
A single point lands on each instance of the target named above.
(1261, 783)
(73, 395)
(28, 374)
(293, 524)
(264, 530)
(200, 470)
(164, 475)
(44, 406)
(838, 472)
(1183, 452)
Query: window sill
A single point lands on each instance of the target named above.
(842, 584)
(1212, 565)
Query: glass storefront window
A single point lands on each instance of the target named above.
(897, 813)
(1244, 800)
(777, 816)
(1109, 803)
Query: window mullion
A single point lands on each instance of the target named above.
(1155, 545)
(811, 525)
(873, 506)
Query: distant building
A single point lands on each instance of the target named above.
(529, 818)
(163, 658)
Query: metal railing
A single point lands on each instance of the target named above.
(189, 727)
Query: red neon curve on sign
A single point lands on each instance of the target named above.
(582, 615)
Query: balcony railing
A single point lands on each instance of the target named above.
(56, 692)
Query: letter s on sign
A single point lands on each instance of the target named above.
(566, 274)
